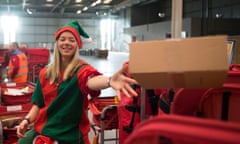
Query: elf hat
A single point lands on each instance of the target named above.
(74, 27)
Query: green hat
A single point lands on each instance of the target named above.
(74, 27)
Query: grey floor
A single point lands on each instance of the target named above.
(107, 66)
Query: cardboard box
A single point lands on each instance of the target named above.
(199, 62)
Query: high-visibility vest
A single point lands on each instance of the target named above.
(22, 73)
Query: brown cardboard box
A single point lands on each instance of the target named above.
(199, 62)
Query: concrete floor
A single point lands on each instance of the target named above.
(107, 66)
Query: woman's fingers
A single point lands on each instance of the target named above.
(21, 131)
(130, 80)
(118, 94)
(131, 90)
(125, 92)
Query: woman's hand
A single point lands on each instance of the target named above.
(22, 128)
(122, 83)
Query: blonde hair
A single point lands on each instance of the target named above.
(54, 67)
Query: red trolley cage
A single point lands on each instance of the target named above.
(105, 117)
(38, 58)
(23, 93)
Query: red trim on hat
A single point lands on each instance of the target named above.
(73, 31)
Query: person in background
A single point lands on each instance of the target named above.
(24, 45)
(6, 59)
(24, 48)
(60, 99)
(17, 65)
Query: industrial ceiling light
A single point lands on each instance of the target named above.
(78, 1)
(49, 0)
(29, 11)
(161, 15)
(101, 13)
(107, 1)
(79, 12)
(219, 15)
(93, 4)
(85, 8)
(98, 1)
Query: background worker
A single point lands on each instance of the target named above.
(23, 47)
(18, 64)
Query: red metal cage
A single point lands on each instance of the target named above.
(105, 116)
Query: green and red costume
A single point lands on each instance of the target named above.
(63, 106)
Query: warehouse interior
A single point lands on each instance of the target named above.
(145, 20)
(114, 27)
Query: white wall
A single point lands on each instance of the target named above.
(39, 32)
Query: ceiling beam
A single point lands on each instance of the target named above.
(63, 9)
(127, 3)
(57, 5)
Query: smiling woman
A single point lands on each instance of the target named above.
(60, 98)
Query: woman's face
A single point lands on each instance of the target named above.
(67, 44)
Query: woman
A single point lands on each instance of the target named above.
(60, 96)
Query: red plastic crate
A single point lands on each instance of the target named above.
(8, 99)
(38, 56)
(10, 136)
(14, 110)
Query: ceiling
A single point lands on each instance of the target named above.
(67, 8)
